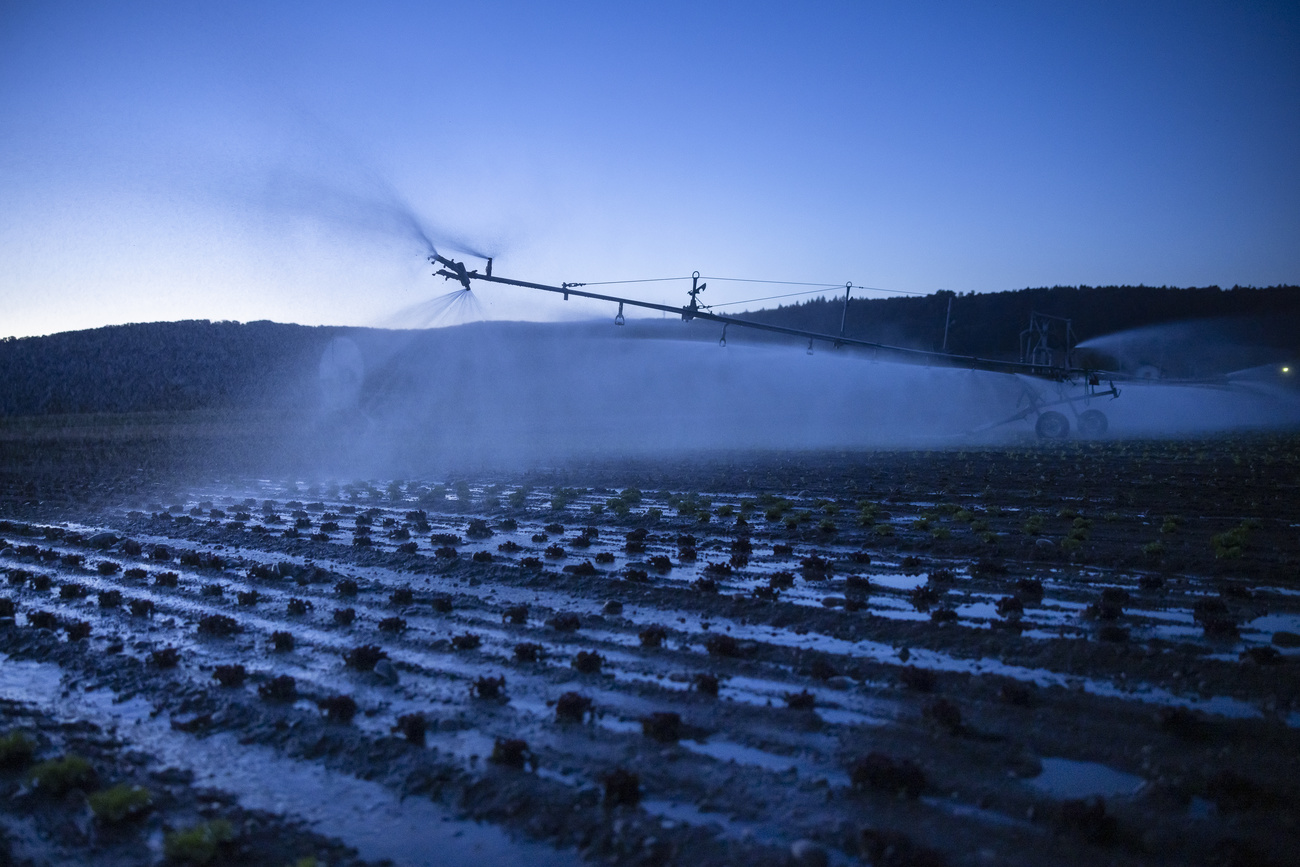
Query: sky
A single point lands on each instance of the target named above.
(291, 161)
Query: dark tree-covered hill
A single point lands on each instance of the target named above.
(158, 366)
(182, 366)
(989, 324)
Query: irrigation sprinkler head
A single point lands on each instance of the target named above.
(452, 270)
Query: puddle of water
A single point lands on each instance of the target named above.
(1271, 623)
(1067, 778)
(896, 580)
(729, 751)
(363, 814)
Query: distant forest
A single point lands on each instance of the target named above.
(989, 324)
(178, 366)
(158, 366)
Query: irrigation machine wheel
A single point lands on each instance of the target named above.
(1092, 423)
(1052, 426)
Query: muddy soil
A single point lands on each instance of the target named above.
(1070, 653)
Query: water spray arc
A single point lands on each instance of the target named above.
(1073, 386)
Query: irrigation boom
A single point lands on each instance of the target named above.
(1050, 424)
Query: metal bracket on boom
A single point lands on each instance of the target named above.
(689, 311)
(455, 270)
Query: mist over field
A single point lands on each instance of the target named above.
(513, 394)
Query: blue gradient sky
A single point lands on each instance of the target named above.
(251, 160)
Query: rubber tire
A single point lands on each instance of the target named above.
(1092, 423)
(1052, 426)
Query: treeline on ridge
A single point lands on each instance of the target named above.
(191, 365)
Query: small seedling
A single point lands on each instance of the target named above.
(653, 636)
(488, 687)
(344, 616)
(297, 607)
(622, 788)
(1029, 589)
(1088, 817)
(77, 630)
(16, 751)
(515, 614)
(249, 597)
(924, 597)
(72, 591)
(282, 641)
(218, 624)
(166, 579)
(466, 641)
(110, 598)
(42, 620)
(402, 596)
(587, 661)
(412, 727)
(512, 753)
(56, 777)
(564, 622)
(528, 652)
(346, 587)
(919, 679)
(573, 707)
(229, 675)
(722, 645)
(120, 803)
(166, 657)
(199, 844)
(944, 714)
(880, 772)
(1016, 693)
(142, 607)
(1010, 607)
(364, 657)
(283, 688)
(706, 684)
(662, 726)
(803, 700)
(338, 708)
(392, 624)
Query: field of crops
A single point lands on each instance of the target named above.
(1068, 653)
